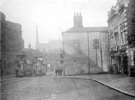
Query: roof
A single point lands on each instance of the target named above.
(86, 29)
(97, 29)
(76, 30)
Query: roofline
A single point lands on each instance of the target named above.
(86, 30)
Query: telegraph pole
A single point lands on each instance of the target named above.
(88, 54)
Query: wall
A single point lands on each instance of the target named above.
(79, 53)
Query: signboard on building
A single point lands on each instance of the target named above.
(96, 43)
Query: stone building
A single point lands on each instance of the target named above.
(121, 25)
(76, 51)
(11, 43)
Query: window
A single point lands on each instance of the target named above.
(122, 42)
(116, 38)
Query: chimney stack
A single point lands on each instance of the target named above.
(77, 20)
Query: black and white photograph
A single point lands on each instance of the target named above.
(67, 49)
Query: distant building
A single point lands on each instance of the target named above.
(53, 46)
(50, 51)
(31, 53)
(75, 45)
(11, 43)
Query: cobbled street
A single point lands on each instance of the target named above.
(57, 88)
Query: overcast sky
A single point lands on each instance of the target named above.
(54, 16)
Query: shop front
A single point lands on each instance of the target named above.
(123, 62)
(119, 62)
(131, 61)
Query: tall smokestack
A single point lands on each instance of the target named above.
(37, 40)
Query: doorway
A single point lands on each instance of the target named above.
(125, 65)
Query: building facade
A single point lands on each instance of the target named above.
(11, 44)
(121, 34)
(79, 54)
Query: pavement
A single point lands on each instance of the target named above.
(120, 83)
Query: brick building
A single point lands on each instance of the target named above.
(121, 24)
(11, 43)
(75, 45)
